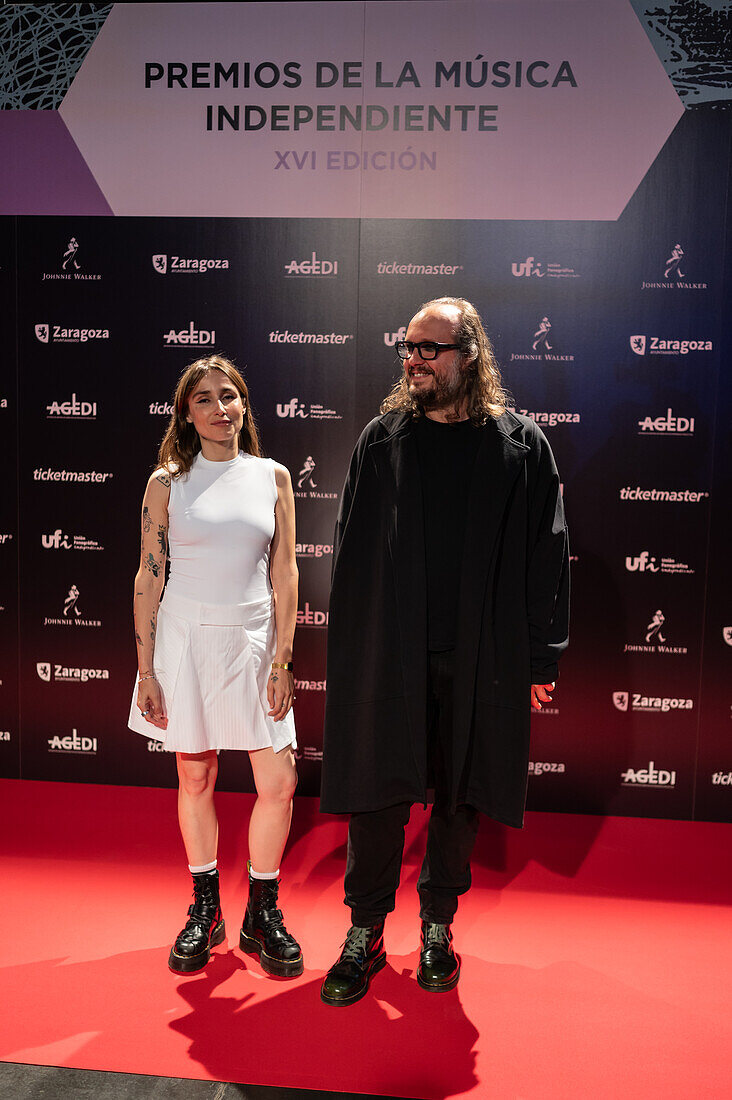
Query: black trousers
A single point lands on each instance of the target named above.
(376, 838)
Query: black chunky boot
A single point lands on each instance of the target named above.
(362, 956)
(439, 966)
(263, 932)
(204, 928)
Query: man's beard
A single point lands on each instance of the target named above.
(446, 393)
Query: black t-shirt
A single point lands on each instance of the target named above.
(446, 454)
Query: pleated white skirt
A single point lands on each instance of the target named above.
(213, 664)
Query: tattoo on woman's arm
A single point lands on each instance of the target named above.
(152, 565)
(162, 540)
(146, 519)
(164, 480)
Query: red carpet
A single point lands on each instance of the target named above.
(597, 957)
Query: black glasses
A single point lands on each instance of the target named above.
(428, 349)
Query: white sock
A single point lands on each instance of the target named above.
(265, 874)
(204, 869)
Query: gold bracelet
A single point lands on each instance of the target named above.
(287, 665)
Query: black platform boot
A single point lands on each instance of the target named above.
(439, 966)
(362, 956)
(204, 928)
(263, 932)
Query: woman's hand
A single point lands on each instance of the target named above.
(151, 704)
(280, 693)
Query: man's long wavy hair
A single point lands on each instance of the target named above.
(483, 385)
(181, 442)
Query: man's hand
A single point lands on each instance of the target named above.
(540, 694)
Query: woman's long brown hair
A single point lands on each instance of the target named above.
(181, 442)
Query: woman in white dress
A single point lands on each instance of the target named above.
(215, 656)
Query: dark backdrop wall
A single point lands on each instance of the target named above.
(611, 334)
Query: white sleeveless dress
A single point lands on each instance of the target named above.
(215, 637)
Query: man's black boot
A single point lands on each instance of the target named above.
(439, 966)
(362, 956)
(263, 932)
(204, 928)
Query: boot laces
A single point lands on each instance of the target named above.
(356, 944)
(437, 935)
(204, 901)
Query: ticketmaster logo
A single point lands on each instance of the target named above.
(287, 337)
(688, 496)
(81, 476)
(310, 685)
(393, 267)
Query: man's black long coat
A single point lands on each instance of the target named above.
(512, 621)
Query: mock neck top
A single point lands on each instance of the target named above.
(221, 519)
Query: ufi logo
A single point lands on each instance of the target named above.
(642, 563)
(391, 338)
(531, 267)
(647, 563)
(294, 408)
(57, 541)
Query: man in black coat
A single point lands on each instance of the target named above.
(448, 613)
